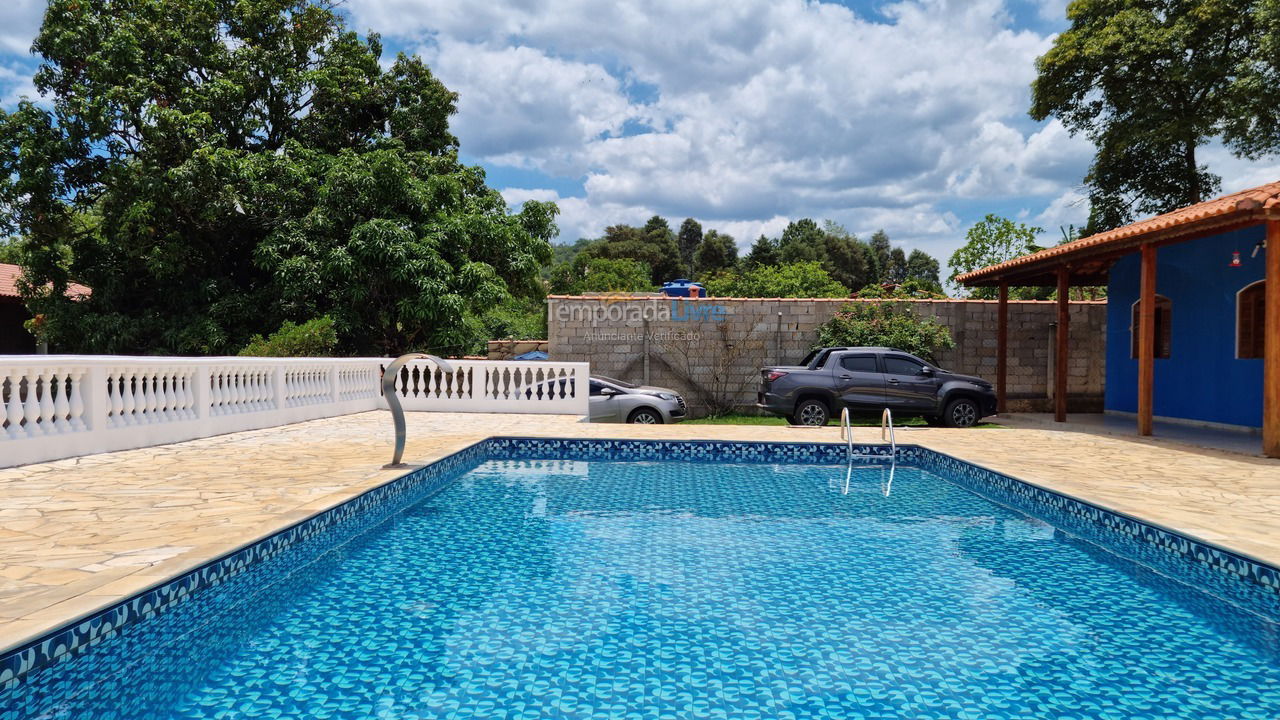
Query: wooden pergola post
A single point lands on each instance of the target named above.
(1271, 348)
(1064, 335)
(1146, 339)
(1002, 348)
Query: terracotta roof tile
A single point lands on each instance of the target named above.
(9, 275)
(1255, 203)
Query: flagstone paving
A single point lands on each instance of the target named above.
(79, 534)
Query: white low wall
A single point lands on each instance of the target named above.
(60, 406)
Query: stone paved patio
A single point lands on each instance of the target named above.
(80, 534)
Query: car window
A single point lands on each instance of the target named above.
(596, 388)
(859, 363)
(619, 383)
(901, 366)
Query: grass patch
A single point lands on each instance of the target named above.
(746, 419)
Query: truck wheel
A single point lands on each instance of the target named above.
(811, 412)
(961, 413)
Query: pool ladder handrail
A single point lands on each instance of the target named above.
(846, 431)
(886, 422)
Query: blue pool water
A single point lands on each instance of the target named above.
(620, 589)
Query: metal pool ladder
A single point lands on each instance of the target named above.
(886, 423)
(846, 434)
(846, 431)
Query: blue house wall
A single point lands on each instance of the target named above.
(1201, 379)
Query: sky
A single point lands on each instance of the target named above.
(907, 116)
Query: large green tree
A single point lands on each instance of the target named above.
(213, 168)
(840, 253)
(993, 240)
(1150, 82)
(763, 252)
(653, 245)
(689, 239)
(719, 251)
(923, 268)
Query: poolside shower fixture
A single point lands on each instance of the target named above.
(393, 398)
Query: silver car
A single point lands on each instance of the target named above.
(617, 401)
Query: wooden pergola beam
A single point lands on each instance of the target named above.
(1002, 349)
(1064, 335)
(1271, 348)
(1147, 339)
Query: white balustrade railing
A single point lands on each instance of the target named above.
(495, 386)
(59, 406)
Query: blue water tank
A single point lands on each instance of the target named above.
(681, 287)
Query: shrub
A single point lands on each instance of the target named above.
(313, 338)
(886, 324)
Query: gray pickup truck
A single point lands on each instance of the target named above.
(868, 379)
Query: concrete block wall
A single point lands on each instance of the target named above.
(719, 344)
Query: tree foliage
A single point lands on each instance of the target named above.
(718, 251)
(654, 245)
(923, 269)
(1150, 82)
(763, 252)
(800, 280)
(212, 169)
(313, 338)
(839, 252)
(884, 324)
(991, 241)
(689, 239)
(597, 274)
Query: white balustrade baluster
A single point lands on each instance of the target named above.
(115, 405)
(224, 390)
(128, 400)
(187, 403)
(215, 391)
(46, 402)
(239, 392)
(13, 409)
(75, 418)
(148, 397)
(61, 403)
(32, 407)
(170, 398)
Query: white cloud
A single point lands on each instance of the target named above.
(1069, 208)
(19, 22)
(748, 112)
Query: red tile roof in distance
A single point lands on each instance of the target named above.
(9, 275)
(1247, 207)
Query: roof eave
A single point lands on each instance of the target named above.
(1040, 269)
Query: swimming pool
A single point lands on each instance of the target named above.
(585, 579)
